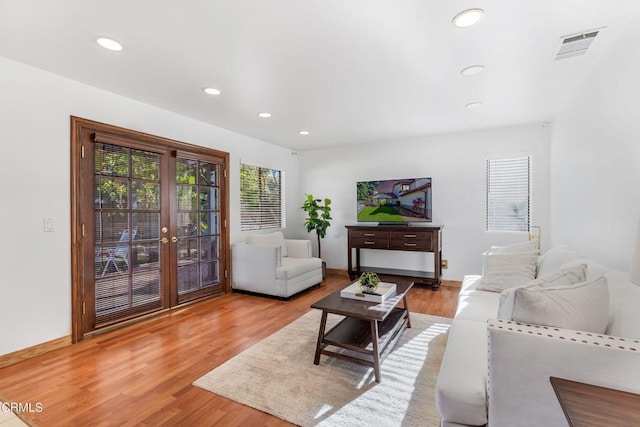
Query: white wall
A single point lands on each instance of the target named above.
(456, 162)
(35, 107)
(595, 161)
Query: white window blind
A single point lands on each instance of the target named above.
(260, 198)
(508, 194)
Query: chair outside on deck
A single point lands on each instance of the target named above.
(118, 254)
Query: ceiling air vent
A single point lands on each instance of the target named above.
(576, 44)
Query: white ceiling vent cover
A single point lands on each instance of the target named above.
(576, 44)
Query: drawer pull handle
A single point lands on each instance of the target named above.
(410, 235)
(369, 243)
(369, 234)
(410, 244)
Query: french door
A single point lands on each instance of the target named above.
(149, 225)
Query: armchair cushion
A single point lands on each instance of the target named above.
(298, 248)
(276, 238)
(294, 267)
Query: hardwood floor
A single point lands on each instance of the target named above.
(142, 374)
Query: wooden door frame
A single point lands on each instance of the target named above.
(79, 126)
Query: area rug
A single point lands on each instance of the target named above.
(277, 376)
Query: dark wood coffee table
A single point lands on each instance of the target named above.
(368, 328)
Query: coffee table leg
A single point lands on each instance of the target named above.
(323, 325)
(376, 352)
(406, 307)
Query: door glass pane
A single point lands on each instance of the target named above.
(146, 195)
(208, 174)
(111, 160)
(187, 224)
(112, 193)
(187, 250)
(187, 278)
(185, 171)
(209, 273)
(208, 223)
(147, 225)
(127, 222)
(208, 248)
(198, 225)
(145, 256)
(208, 198)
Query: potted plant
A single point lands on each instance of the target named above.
(368, 282)
(318, 219)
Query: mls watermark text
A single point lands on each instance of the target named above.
(21, 407)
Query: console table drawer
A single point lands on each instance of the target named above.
(370, 242)
(409, 240)
(411, 245)
(369, 234)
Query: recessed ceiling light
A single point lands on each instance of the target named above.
(468, 17)
(472, 70)
(474, 105)
(212, 91)
(264, 115)
(303, 132)
(110, 44)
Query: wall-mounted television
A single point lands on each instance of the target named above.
(395, 201)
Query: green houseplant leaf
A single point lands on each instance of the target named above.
(318, 217)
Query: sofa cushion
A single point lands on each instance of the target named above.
(478, 306)
(461, 390)
(583, 306)
(502, 271)
(294, 267)
(276, 238)
(563, 277)
(469, 283)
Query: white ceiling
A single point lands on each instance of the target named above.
(349, 71)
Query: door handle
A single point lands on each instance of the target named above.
(174, 239)
(164, 240)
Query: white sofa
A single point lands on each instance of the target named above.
(269, 264)
(496, 372)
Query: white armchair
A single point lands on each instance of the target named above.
(272, 265)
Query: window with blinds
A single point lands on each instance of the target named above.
(260, 198)
(508, 194)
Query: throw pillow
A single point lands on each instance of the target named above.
(583, 306)
(529, 245)
(562, 278)
(502, 271)
(594, 270)
(552, 260)
(276, 239)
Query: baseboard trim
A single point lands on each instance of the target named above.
(36, 350)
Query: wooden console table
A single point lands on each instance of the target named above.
(396, 238)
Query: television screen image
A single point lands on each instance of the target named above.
(395, 200)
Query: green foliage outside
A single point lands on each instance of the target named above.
(260, 197)
(127, 176)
